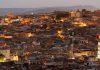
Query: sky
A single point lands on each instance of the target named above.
(46, 3)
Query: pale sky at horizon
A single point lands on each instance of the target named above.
(46, 3)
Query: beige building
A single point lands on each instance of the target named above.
(76, 14)
(6, 53)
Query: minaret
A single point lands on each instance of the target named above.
(72, 46)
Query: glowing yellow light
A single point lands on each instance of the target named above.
(15, 58)
(59, 31)
(76, 23)
(6, 19)
(29, 34)
(82, 24)
(63, 19)
(61, 36)
(2, 60)
(7, 36)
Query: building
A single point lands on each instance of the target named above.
(6, 53)
(98, 50)
(76, 14)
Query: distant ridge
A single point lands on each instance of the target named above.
(17, 11)
(50, 9)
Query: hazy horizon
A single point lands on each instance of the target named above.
(46, 3)
(49, 7)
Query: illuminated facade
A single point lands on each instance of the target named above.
(15, 58)
(6, 53)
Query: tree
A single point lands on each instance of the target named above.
(2, 58)
(61, 14)
(1, 27)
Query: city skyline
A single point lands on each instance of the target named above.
(46, 3)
